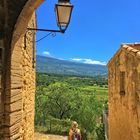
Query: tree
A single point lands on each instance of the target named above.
(89, 111)
(62, 101)
(40, 106)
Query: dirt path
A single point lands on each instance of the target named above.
(39, 136)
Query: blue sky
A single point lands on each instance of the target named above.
(96, 31)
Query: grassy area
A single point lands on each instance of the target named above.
(54, 126)
(100, 92)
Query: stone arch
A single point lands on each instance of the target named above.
(18, 122)
(23, 19)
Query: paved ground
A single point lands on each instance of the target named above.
(39, 136)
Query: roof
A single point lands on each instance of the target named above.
(133, 49)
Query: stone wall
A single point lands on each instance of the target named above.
(19, 100)
(1, 69)
(28, 90)
(124, 108)
(28, 82)
(17, 73)
(1, 18)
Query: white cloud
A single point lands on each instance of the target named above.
(88, 61)
(76, 59)
(46, 53)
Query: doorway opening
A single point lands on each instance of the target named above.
(66, 90)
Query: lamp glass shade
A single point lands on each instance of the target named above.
(63, 14)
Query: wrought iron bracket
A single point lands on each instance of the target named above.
(46, 30)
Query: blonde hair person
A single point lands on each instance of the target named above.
(74, 133)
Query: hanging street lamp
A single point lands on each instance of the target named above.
(63, 15)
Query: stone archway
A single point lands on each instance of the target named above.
(24, 18)
(18, 76)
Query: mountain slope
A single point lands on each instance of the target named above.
(52, 65)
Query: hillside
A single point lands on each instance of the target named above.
(53, 65)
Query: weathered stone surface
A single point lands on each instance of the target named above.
(124, 109)
(17, 87)
(13, 118)
(12, 107)
(14, 96)
(1, 100)
(20, 92)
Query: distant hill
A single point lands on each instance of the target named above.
(56, 66)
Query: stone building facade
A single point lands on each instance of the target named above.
(124, 93)
(17, 69)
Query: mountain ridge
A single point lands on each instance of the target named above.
(57, 66)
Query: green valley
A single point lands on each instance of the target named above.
(61, 99)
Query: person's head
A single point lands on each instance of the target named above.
(74, 125)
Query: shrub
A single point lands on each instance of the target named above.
(100, 132)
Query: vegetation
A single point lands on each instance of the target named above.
(100, 132)
(61, 99)
(44, 79)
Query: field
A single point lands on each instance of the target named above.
(99, 91)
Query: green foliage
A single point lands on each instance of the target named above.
(47, 79)
(100, 132)
(54, 126)
(62, 100)
(40, 106)
(67, 98)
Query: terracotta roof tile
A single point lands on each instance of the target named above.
(138, 53)
(131, 48)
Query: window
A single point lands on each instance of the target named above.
(122, 83)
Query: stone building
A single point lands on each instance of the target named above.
(17, 69)
(124, 93)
